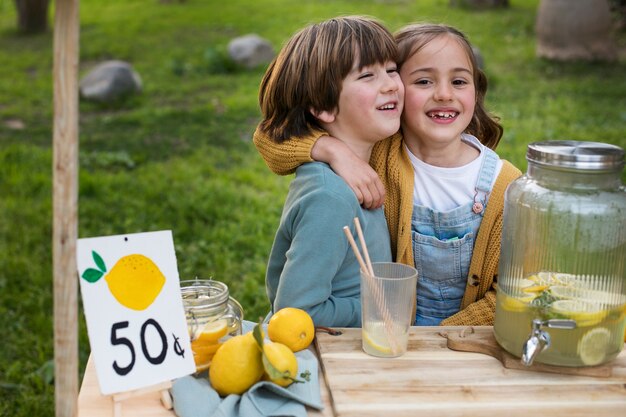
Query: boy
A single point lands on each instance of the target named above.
(339, 75)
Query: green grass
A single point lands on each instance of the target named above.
(180, 157)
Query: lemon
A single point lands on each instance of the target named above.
(535, 288)
(592, 347)
(203, 354)
(604, 297)
(526, 282)
(283, 361)
(517, 304)
(374, 340)
(236, 366)
(565, 292)
(292, 327)
(212, 332)
(585, 313)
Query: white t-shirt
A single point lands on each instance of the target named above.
(444, 189)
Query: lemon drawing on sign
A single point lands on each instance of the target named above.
(135, 281)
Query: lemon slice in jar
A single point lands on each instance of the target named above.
(211, 332)
(517, 303)
(593, 345)
(584, 313)
(565, 292)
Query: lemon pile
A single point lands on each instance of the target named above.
(292, 327)
(244, 360)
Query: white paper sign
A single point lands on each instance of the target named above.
(134, 310)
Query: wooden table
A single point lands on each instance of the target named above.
(93, 404)
(429, 380)
(432, 380)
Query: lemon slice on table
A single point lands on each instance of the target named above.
(585, 313)
(593, 346)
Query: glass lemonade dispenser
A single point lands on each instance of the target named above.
(561, 297)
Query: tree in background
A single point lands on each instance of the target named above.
(32, 15)
(575, 30)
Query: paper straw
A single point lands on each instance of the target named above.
(359, 258)
(359, 232)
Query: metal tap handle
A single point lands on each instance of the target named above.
(565, 324)
(539, 339)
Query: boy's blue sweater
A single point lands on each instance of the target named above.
(312, 265)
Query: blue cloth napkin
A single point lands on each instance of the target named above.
(194, 397)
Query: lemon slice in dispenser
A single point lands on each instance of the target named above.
(593, 345)
(585, 313)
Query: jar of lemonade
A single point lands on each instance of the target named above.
(561, 296)
(212, 315)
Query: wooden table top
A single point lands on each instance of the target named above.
(93, 404)
(429, 380)
(432, 380)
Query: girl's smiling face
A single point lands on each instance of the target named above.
(440, 94)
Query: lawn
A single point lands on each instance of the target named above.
(179, 156)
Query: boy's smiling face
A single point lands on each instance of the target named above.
(370, 105)
(440, 94)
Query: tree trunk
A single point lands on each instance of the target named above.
(32, 15)
(575, 30)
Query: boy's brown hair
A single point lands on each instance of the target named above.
(308, 72)
(412, 38)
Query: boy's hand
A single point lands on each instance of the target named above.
(358, 174)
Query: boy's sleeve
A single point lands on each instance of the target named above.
(318, 251)
(283, 158)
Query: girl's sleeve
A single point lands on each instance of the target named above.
(283, 158)
(479, 313)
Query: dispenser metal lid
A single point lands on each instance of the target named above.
(576, 155)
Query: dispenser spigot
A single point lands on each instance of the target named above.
(539, 339)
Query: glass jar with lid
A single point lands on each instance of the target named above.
(561, 296)
(212, 315)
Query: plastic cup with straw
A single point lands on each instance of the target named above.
(387, 291)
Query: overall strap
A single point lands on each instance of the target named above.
(485, 179)
(476, 282)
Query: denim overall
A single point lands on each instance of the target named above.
(443, 243)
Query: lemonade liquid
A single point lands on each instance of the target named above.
(598, 337)
(376, 339)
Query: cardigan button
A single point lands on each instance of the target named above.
(473, 281)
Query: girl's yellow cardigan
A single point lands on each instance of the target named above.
(391, 162)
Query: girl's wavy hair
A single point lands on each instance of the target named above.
(411, 38)
(308, 72)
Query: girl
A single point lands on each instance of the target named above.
(444, 185)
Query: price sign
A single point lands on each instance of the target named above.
(134, 310)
